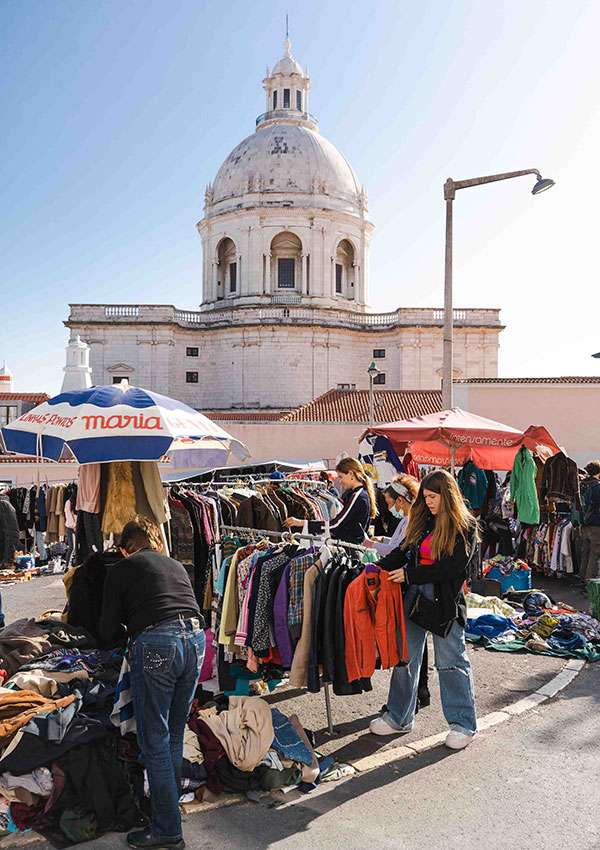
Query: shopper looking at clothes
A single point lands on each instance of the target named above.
(400, 496)
(590, 529)
(352, 523)
(149, 597)
(432, 561)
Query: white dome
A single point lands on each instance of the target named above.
(286, 158)
(287, 65)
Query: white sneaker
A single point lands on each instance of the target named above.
(456, 740)
(379, 726)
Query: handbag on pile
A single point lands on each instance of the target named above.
(428, 614)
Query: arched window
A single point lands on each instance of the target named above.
(345, 269)
(286, 251)
(228, 269)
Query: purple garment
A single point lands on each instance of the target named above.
(283, 638)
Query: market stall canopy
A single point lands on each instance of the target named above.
(120, 422)
(455, 436)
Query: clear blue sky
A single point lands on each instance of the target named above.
(117, 113)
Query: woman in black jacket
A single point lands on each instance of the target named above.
(432, 562)
(360, 506)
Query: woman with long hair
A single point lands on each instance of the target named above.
(440, 539)
(352, 523)
(400, 496)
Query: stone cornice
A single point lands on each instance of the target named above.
(262, 212)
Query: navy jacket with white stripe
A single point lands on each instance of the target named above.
(352, 523)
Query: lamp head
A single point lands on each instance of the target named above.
(541, 185)
(372, 370)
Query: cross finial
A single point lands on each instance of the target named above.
(288, 43)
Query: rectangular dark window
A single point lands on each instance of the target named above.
(286, 98)
(379, 379)
(191, 377)
(232, 277)
(338, 277)
(299, 101)
(191, 352)
(378, 353)
(8, 414)
(274, 100)
(286, 268)
(118, 378)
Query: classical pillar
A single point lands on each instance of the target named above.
(356, 289)
(304, 290)
(332, 279)
(215, 280)
(267, 286)
(242, 281)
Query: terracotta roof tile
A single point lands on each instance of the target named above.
(244, 415)
(565, 379)
(353, 406)
(36, 398)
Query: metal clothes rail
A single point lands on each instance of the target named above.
(287, 536)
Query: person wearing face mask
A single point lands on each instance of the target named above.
(439, 542)
(400, 496)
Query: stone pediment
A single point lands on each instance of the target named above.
(120, 367)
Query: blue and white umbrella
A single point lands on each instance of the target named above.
(120, 422)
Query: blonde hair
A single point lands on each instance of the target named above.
(453, 517)
(350, 464)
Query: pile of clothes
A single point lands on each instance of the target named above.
(71, 771)
(535, 624)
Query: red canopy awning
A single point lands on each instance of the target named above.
(491, 445)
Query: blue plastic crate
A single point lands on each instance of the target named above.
(519, 579)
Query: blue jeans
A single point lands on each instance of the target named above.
(165, 665)
(454, 671)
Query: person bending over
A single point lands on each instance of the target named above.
(149, 597)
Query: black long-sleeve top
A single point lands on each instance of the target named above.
(142, 590)
(352, 523)
(448, 573)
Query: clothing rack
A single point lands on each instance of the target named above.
(286, 535)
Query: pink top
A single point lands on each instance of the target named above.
(425, 552)
(70, 518)
(88, 492)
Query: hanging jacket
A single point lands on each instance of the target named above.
(473, 484)
(373, 614)
(559, 479)
(522, 487)
(9, 531)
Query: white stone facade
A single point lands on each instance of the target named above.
(285, 285)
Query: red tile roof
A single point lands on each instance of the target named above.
(353, 406)
(565, 379)
(244, 415)
(5, 458)
(36, 398)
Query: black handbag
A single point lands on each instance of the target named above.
(428, 614)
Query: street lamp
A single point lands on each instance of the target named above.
(372, 371)
(450, 187)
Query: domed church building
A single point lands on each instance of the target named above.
(284, 314)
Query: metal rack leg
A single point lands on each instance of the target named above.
(330, 728)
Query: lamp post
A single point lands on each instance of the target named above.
(372, 371)
(450, 187)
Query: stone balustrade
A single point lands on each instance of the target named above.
(278, 313)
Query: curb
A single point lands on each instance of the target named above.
(569, 672)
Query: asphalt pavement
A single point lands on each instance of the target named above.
(509, 774)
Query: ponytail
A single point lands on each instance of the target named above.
(350, 464)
